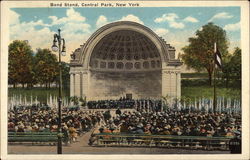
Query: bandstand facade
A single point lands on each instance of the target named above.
(124, 58)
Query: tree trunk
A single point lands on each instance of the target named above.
(14, 85)
(23, 85)
(227, 81)
(210, 78)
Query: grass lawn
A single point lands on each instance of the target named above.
(195, 75)
(208, 92)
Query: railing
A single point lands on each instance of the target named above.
(169, 141)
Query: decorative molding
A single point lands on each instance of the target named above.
(171, 72)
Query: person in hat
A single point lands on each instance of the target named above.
(65, 134)
(46, 129)
(20, 128)
(11, 127)
(72, 133)
(118, 111)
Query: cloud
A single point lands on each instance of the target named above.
(74, 30)
(14, 18)
(27, 30)
(222, 15)
(233, 45)
(232, 27)
(171, 19)
(179, 39)
(191, 19)
(131, 17)
(161, 31)
(73, 22)
(102, 20)
(71, 16)
(167, 17)
(177, 25)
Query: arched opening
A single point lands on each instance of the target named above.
(125, 62)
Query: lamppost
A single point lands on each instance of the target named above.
(58, 39)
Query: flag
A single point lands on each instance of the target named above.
(217, 58)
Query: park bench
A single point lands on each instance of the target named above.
(173, 141)
(32, 137)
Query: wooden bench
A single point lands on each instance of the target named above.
(193, 142)
(32, 137)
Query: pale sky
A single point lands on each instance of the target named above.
(174, 24)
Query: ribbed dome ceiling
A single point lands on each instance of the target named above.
(125, 50)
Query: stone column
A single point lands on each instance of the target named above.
(72, 85)
(172, 84)
(84, 86)
(77, 85)
(178, 85)
(166, 83)
(81, 85)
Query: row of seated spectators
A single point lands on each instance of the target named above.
(45, 119)
(169, 122)
(172, 122)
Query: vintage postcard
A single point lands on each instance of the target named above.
(124, 79)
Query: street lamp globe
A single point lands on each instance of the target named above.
(54, 48)
(64, 51)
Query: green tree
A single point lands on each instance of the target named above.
(74, 99)
(65, 75)
(231, 70)
(46, 68)
(199, 54)
(20, 63)
(226, 69)
(236, 64)
(83, 101)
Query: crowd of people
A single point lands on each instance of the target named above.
(123, 103)
(45, 119)
(172, 122)
(167, 122)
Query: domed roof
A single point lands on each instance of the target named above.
(125, 50)
(124, 46)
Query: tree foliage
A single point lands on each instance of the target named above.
(65, 75)
(46, 67)
(74, 100)
(20, 63)
(199, 54)
(232, 68)
(42, 67)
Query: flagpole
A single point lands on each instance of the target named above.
(215, 102)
